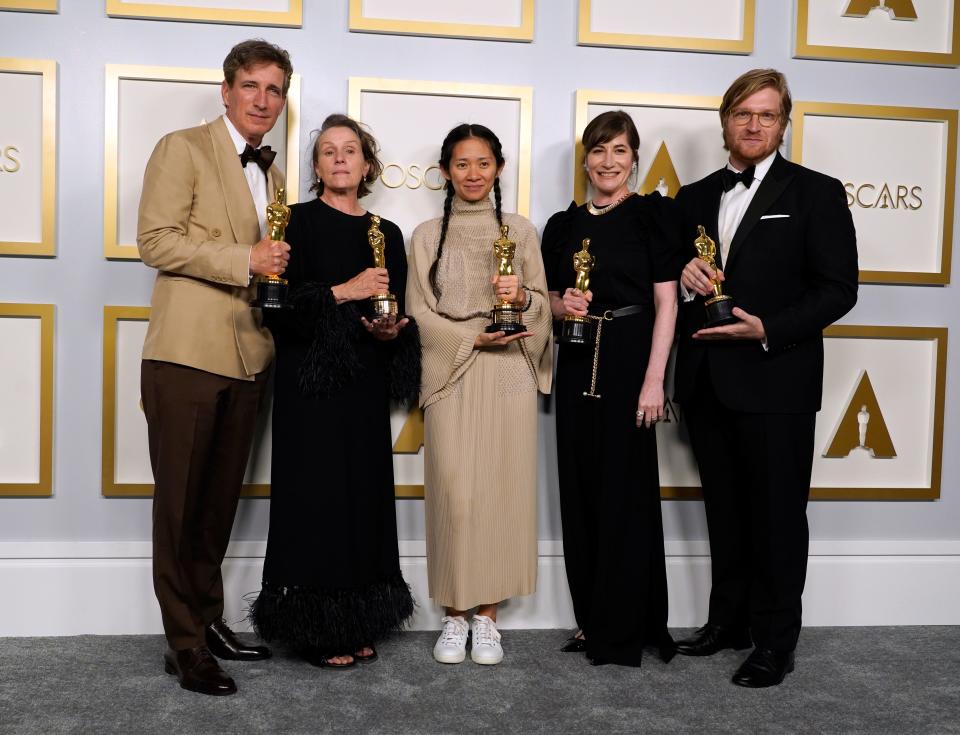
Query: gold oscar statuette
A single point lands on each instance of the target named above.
(719, 306)
(384, 304)
(507, 316)
(578, 330)
(272, 289)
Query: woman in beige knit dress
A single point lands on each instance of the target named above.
(479, 396)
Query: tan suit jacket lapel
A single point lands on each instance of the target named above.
(236, 193)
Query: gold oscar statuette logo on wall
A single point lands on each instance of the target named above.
(862, 427)
(662, 175)
(898, 9)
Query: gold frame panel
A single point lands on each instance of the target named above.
(110, 488)
(882, 112)
(848, 331)
(114, 73)
(199, 14)
(804, 50)
(523, 32)
(588, 37)
(47, 247)
(524, 95)
(46, 314)
(587, 97)
(31, 6)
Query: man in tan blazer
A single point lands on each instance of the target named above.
(206, 353)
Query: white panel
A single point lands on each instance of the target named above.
(930, 32)
(131, 450)
(20, 400)
(909, 157)
(489, 12)
(21, 157)
(903, 375)
(692, 137)
(257, 5)
(148, 110)
(410, 129)
(721, 19)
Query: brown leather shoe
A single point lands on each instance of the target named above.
(198, 671)
(223, 643)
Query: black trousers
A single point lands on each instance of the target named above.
(755, 472)
(200, 427)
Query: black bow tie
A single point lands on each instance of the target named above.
(262, 156)
(730, 178)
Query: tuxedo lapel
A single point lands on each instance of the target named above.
(772, 186)
(236, 193)
(710, 211)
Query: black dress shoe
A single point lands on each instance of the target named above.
(712, 638)
(198, 671)
(764, 668)
(574, 645)
(223, 643)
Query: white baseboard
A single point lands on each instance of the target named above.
(105, 588)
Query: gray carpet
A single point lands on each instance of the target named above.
(848, 680)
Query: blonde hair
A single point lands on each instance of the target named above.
(752, 82)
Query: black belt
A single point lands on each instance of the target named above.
(622, 311)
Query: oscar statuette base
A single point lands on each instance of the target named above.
(384, 306)
(576, 330)
(272, 294)
(719, 311)
(507, 318)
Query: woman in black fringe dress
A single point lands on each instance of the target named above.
(332, 585)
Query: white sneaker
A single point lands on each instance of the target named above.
(486, 647)
(451, 646)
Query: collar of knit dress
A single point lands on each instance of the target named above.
(463, 207)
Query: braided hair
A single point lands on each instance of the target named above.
(462, 132)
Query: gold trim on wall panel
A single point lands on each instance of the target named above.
(587, 97)
(110, 488)
(883, 112)
(523, 32)
(524, 95)
(292, 17)
(117, 72)
(805, 50)
(30, 6)
(48, 70)
(45, 313)
(744, 45)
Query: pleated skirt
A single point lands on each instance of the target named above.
(480, 477)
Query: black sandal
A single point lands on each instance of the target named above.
(322, 660)
(366, 659)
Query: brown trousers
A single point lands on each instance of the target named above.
(200, 428)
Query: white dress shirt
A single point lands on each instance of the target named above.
(256, 178)
(734, 203)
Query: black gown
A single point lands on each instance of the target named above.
(331, 577)
(609, 481)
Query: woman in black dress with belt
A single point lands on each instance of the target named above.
(332, 585)
(610, 397)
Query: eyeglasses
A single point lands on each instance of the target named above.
(766, 119)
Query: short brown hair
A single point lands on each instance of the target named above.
(253, 52)
(368, 145)
(752, 82)
(608, 125)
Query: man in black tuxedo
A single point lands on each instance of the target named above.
(750, 390)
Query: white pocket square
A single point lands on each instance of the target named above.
(775, 216)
